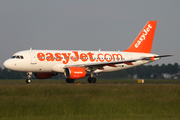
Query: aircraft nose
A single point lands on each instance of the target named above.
(7, 64)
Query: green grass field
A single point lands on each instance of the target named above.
(89, 101)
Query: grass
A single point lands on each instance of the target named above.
(89, 101)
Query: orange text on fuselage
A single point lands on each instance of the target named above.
(75, 56)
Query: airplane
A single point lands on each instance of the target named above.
(76, 64)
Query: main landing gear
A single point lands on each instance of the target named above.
(28, 80)
(91, 80)
(70, 80)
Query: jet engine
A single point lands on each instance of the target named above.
(74, 72)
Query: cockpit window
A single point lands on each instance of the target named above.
(13, 57)
(17, 57)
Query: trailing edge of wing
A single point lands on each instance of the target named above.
(128, 62)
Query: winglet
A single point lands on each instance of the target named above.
(143, 42)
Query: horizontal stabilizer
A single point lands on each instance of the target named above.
(159, 56)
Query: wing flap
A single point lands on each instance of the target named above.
(113, 64)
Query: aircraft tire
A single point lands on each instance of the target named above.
(91, 80)
(70, 80)
(28, 80)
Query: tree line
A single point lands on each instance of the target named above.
(154, 71)
(143, 71)
(8, 74)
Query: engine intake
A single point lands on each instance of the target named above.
(74, 72)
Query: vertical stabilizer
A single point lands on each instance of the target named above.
(143, 42)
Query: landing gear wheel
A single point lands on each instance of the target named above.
(91, 80)
(70, 80)
(28, 80)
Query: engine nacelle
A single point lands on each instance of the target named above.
(74, 72)
(43, 75)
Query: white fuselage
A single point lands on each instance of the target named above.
(56, 60)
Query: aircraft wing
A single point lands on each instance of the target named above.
(104, 63)
(112, 64)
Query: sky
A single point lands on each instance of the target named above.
(109, 25)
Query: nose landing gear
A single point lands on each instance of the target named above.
(28, 80)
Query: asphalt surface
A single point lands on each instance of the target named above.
(82, 83)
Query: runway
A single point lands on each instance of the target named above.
(84, 83)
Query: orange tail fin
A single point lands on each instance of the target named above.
(143, 42)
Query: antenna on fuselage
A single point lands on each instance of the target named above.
(100, 49)
(30, 48)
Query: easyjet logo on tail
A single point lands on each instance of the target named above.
(143, 36)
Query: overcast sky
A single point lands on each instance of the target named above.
(87, 25)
